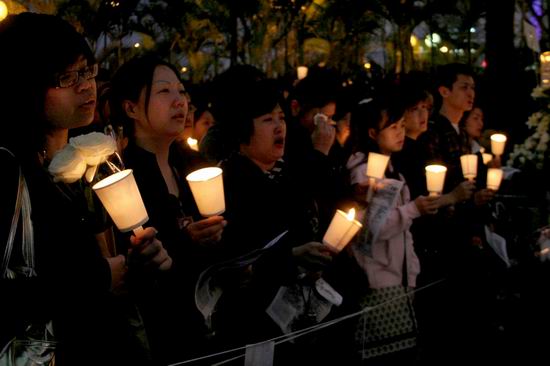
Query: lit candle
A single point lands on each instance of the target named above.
(494, 177)
(207, 188)
(341, 230)
(498, 141)
(120, 196)
(469, 166)
(435, 179)
(193, 143)
(486, 158)
(302, 72)
(545, 69)
(376, 167)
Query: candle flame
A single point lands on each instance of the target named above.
(192, 143)
(351, 214)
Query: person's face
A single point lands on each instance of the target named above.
(416, 118)
(307, 119)
(167, 112)
(461, 95)
(202, 124)
(267, 143)
(391, 138)
(474, 123)
(73, 106)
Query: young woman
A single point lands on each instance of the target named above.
(148, 99)
(388, 261)
(71, 281)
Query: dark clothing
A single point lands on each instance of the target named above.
(175, 327)
(73, 279)
(441, 144)
(325, 177)
(409, 162)
(260, 205)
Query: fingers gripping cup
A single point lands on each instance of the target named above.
(207, 188)
(120, 196)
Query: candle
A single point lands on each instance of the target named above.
(497, 143)
(341, 230)
(435, 179)
(302, 72)
(193, 144)
(545, 69)
(376, 167)
(207, 188)
(120, 196)
(494, 177)
(486, 158)
(469, 166)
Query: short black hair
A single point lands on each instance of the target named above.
(448, 74)
(34, 48)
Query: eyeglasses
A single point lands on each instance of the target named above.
(71, 78)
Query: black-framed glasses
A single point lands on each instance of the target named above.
(69, 79)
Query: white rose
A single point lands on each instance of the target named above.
(95, 147)
(68, 165)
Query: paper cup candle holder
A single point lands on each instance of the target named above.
(207, 188)
(341, 230)
(435, 179)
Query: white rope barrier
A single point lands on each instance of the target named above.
(299, 333)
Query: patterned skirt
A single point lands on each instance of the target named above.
(389, 325)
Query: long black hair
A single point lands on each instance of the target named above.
(128, 83)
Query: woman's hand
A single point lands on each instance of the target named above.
(207, 230)
(313, 255)
(148, 252)
(427, 204)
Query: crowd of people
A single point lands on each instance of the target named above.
(291, 156)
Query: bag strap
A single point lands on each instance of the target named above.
(22, 208)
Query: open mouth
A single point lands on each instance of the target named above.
(179, 116)
(89, 104)
(280, 141)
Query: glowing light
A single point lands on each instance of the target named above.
(3, 10)
(184, 69)
(367, 65)
(414, 41)
(444, 49)
(472, 30)
(137, 45)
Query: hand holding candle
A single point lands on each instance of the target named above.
(341, 230)
(376, 167)
(120, 196)
(435, 179)
(469, 166)
(207, 188)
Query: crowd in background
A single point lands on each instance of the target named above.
(291, 156)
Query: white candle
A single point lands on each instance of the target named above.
(376, 165)
(193, 144)
(486, 158)
(302, 72)
(498, 141)
(545, 69)
(341, 230)
(207, 188)
(494, 178)
(469, 166)
(120, 196)
(435, 179)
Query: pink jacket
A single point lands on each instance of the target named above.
(385, 267)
